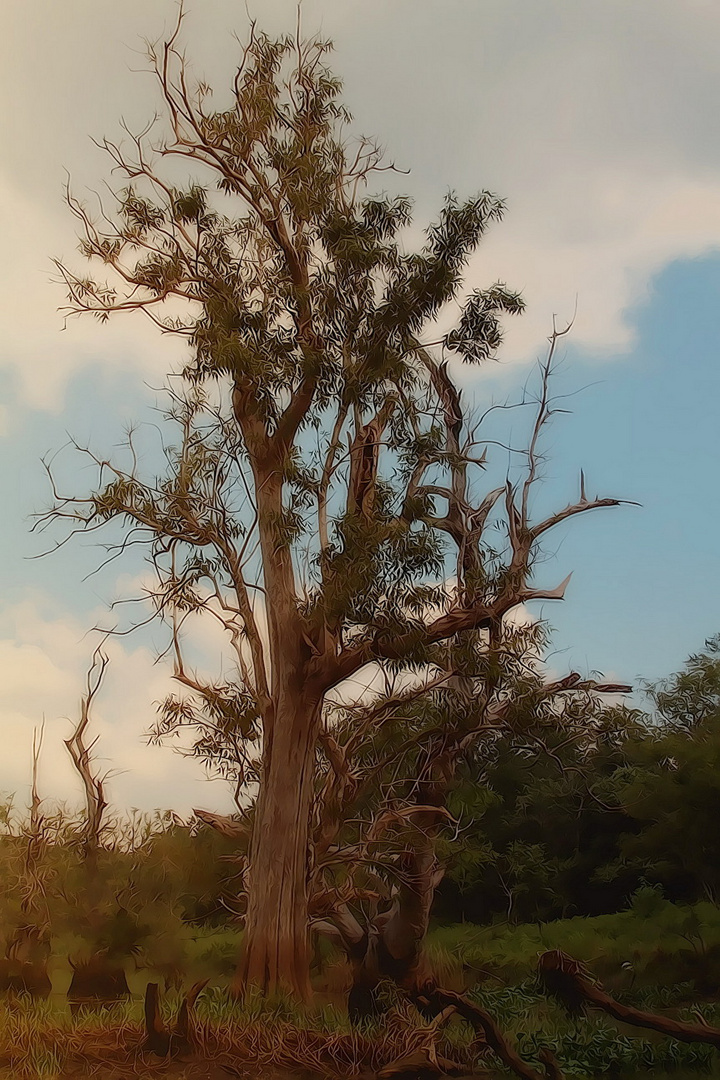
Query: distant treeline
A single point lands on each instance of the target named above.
(561, 826)
(546, 825)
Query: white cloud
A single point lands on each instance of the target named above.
(44, 655)
(36, 342)
(638, 225)
(597, 122)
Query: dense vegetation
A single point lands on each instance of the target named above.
(593, 833)
(551, 829)
(569, 826)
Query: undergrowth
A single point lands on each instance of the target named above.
(40, 1041)
(651, 959)
(661, 945)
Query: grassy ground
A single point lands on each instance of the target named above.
(659, 945)
(257, 1038)
(41, 1042)
(660, 957)
(656, 944)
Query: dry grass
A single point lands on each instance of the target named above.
(42, 1042)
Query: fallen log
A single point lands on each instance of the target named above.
(421, 1064)
(485, 1025)
(568, 981)
(424, 1063)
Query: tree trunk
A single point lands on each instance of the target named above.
(394, 947)
(276, 953)
(97, 983)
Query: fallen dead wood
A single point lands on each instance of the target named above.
(485, 1025)
(422, 1063)
(567, 981)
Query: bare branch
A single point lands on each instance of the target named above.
(79, 750)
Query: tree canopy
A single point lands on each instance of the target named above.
(323, 494)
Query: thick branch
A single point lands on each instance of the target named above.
(484, 1023)
(565, 979)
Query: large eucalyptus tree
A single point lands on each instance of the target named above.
(322, 497)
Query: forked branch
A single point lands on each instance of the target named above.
(80, 751)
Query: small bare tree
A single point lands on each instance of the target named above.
(80, 752)
(99, 975)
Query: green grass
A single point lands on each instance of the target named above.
(662, 947)
(652, 939)
(639, 947)
(42, 1042)
(666, 947)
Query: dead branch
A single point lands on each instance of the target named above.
(35, 800)
(567, 980)
(95, 802)
(225, 825)
(438, 999)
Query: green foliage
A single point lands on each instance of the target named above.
(647, 901)
(691, 698)
(302, 303)
(598, 1049)
(140, 896)
(589, 809)
(670, 783)
(635, 953)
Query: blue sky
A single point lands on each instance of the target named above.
(597, 122)
(646, 583)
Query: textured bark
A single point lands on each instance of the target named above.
(394, 946)
(364, 461)
(276, 947)
(276, 954)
